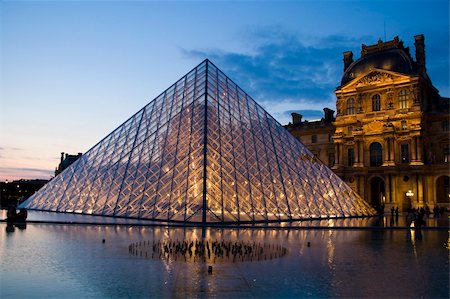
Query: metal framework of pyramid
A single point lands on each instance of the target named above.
(201, 152)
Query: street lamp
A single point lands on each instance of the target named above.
(409, 194)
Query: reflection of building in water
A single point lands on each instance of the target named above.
(66, 161)
(391, 132)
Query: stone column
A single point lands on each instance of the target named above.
(413, 149)
(386, 152)
(361, 153)
(391, 152)
(420, 191)
(337, 155)
(394, 194)
(387, 189)
(416, 151)
(419, 149)
(358, 153)
(336, 151)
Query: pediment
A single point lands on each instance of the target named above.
(375, 77)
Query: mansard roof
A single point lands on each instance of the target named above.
(390, 56)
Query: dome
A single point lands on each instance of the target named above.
(395, 60)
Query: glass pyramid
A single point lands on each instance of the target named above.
(201, 152)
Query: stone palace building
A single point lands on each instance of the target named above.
(390, 138)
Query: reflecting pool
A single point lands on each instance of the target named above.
(72, 261)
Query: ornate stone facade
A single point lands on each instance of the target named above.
(391, 132)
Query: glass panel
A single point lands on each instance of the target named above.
(153, 165)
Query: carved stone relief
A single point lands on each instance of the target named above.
(375, 126)
(374, 78)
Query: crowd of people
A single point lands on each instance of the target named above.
(207, 250)
(415, 216)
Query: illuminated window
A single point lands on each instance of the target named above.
(403, 98)
(446, 152)
(351, 156)
(376, 154)
(350, 106)
(405, 153)
(376, 102)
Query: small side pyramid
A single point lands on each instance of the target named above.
(201, 152)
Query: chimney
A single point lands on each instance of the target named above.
(296, 118)
(420, 53)
(62, 157)
(348, 59)
(328, 115)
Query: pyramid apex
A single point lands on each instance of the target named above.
(208, 61)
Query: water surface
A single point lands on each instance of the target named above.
(71, 261)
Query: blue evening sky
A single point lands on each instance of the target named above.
(72, 71)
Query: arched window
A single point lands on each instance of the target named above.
(376, 154)
(350, 106)
(403, 97)
(376, 103)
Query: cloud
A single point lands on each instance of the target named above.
(284, 71)
(285, 68)
(15, 173)
(4, 150)
(25, 169)
(10, 148)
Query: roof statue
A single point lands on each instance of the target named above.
(202, 152)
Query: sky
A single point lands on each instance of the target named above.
(73, 71)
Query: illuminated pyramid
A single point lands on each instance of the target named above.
(201, 152)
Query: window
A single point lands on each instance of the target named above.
(330, 160)
(376, 154)
(350, 130)
(446, 152)
(330, 137)
(445, 126)
(351, 156)
(403, 98)
(404, 125)
(350, 106)
(376, 102)
(405, 153)
(313, 138)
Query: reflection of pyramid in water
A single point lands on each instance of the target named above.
(202, 151)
